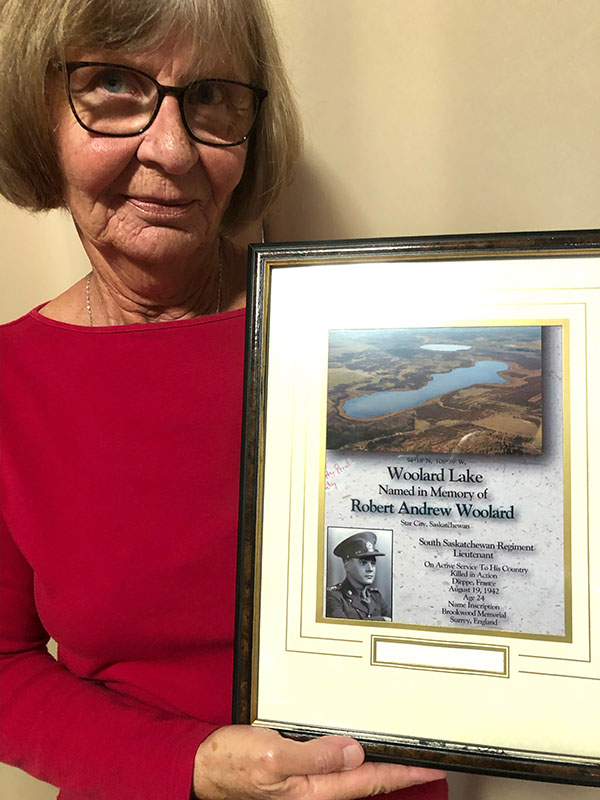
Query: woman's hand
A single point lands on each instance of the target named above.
(249, 763)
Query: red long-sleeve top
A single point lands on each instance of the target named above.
(119, 479)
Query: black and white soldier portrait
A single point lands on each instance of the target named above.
(360, 593)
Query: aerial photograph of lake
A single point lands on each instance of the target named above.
(446, 390)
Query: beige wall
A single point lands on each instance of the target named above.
(444, 116)
(422, 116)
(40, 256)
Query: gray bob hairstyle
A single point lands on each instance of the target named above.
(37, 33)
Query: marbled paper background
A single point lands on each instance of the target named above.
(438, 578)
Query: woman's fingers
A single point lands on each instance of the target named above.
(247, 762)
(369, 779)
(257, 764)
(317, 756)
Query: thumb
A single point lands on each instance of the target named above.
(319, 756)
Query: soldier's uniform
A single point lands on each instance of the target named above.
(347, 603)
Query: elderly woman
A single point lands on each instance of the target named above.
(163, 126)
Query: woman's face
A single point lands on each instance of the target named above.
(155, 196)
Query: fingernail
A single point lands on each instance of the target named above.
(353, 756)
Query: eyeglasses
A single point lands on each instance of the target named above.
(115, 100)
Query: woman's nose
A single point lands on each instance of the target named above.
(167, 143)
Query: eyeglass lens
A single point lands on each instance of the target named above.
(121, 101)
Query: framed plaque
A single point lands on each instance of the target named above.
(419, 553)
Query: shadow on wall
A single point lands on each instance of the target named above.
(314, 207)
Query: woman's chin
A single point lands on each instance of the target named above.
(158, 245)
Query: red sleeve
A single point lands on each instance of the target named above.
(71, 732)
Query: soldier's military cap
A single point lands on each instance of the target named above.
(358, 545)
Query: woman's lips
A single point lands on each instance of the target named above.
(159, 207)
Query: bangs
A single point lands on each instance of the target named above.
(206, 29)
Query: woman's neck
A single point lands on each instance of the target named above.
(126, 293)
(121, 294)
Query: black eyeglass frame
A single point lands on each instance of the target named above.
(163, 90)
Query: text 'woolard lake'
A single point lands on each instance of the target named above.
(378, 403)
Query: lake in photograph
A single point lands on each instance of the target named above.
(436, 390)
(377, 404)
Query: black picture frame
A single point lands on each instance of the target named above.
(575, 256)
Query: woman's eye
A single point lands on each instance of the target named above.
(206, 94)
(112, 81)
(115, 81)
